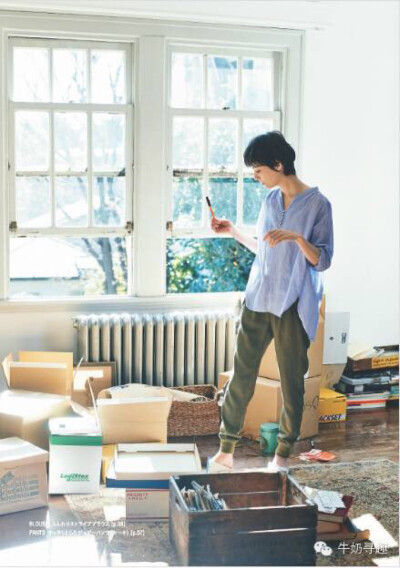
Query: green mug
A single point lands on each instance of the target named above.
(268, 437)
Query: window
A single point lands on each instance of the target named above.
(70, 171)
(219, 100)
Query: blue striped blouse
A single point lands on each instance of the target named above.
(280, 275)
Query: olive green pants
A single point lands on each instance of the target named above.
(257, 329)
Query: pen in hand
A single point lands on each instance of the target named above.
(210, 208)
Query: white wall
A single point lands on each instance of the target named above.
(350, 149)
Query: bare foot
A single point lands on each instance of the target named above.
(223, 459)
(280, 461)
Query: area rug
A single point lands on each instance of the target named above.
(373, 484)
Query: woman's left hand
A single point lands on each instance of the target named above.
(278, 235)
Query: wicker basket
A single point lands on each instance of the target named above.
(195, 418)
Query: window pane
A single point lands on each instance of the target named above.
(187, 205)
(109, 201)
(222, 82)
(108, 142)
(70, 141)
(31, 141)
(187, 80)
(255, 127)
(108, 76)
(253, 194)
(222, 145)
(207, 265)
(69, 75)
(187, 143)
(257, 84)
(223, 195)
(31, 74)
(71, 201)
(53, 266)
(33, 201)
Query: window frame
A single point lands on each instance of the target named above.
(89, 109)
(275, 115)
(149, 39)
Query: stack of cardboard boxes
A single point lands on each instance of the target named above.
(266, 404)
(41, 422)
(136, 455)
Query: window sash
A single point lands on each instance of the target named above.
(204, 230)
(89, 109)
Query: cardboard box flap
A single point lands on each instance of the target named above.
(133, 448)
(15, 452)
(6, 366)
(51, 357)
(326, 394)
(156, 463)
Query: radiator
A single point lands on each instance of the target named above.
(169, 349)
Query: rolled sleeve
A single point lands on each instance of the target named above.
(322, 237)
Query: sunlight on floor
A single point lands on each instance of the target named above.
(387, 561)
(379, 536)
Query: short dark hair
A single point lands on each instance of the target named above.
(269, 149)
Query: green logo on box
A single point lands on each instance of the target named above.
(75, 477)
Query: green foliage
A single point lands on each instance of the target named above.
(207, 265)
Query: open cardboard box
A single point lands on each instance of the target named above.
(134, 413)
(40, 371)
(102, 374)
(144, 471)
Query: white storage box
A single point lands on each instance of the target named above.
(75, 455)
(23, 477)
(144, 471)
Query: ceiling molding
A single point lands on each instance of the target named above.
(293, 14)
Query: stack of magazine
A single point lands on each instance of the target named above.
(371, 378)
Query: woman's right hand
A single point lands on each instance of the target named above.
(221, 225)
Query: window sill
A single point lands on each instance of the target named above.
(218, 300)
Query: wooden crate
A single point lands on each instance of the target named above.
(268, 523)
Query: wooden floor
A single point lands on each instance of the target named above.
(365, 435)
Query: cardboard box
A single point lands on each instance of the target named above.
(75, 455)
(331, 374)
(366, 358)
(332, 406)
(269, 364)
(134, 413)
(40, 372)
(25, 415)
(23, 478)
(144, 470)
(102, 379)
(266, 405)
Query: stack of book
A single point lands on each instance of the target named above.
(369, 379)
(334, 522)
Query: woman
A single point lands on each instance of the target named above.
(294, 244)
